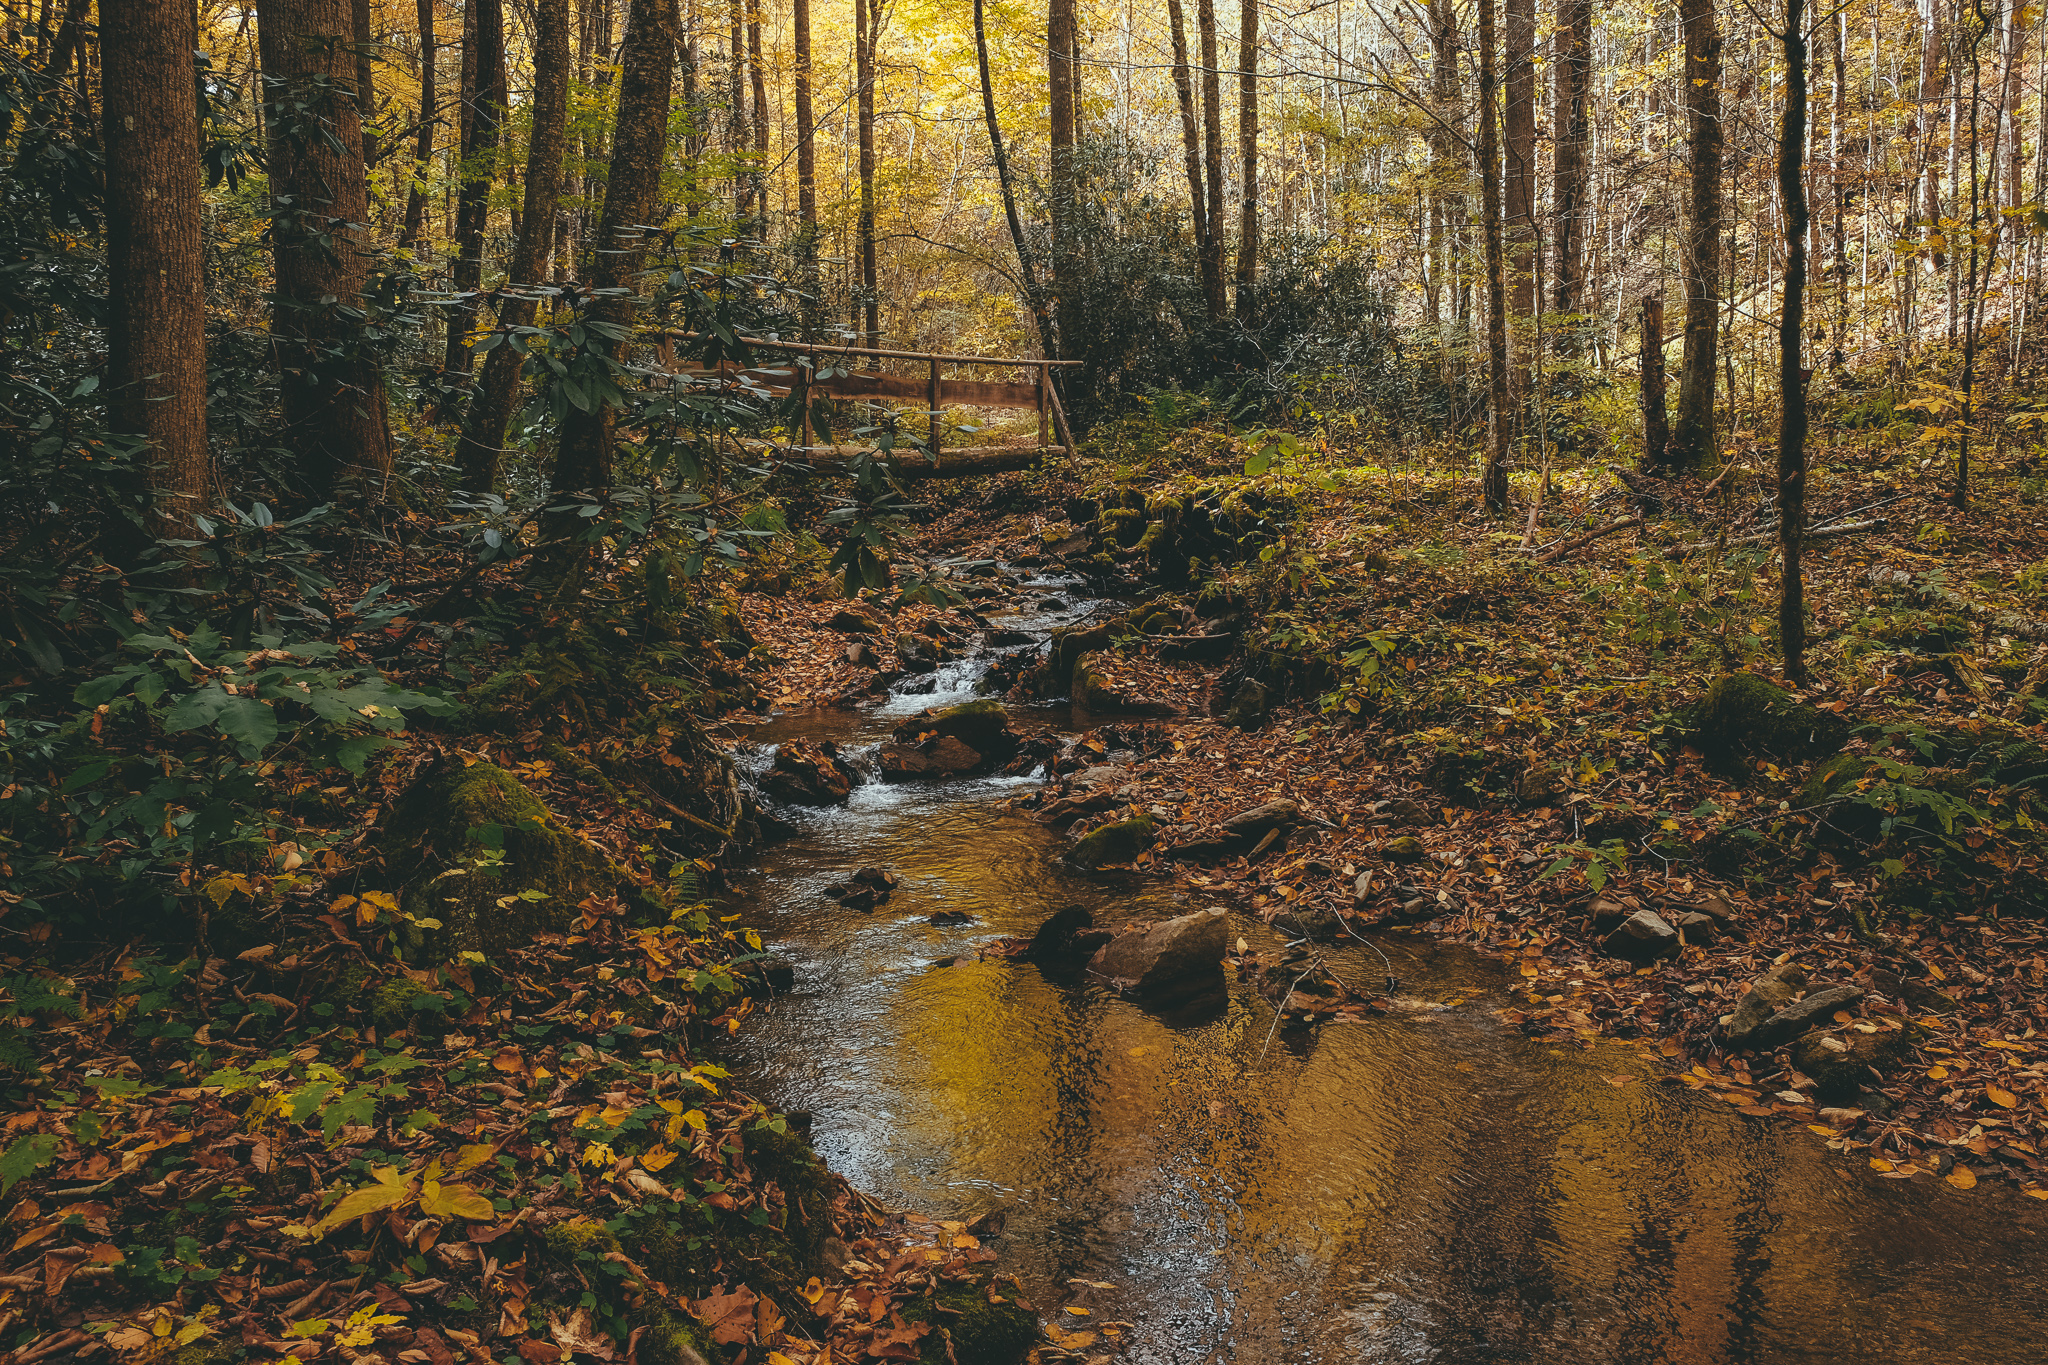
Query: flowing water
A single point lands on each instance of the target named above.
(1423, 1186)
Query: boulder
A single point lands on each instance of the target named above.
(809, 774)
(851, 622)
(941, 757)
(1745, 715)
(917, 653)
(1249, 707)
(1606, 915)
(1271, 815)
(1406, 810)
(1406, 849)
(1118, 842)
(1769, 1015)
(1178, 957)
(983, 726)
(1067, 937)
(1766, 995)
(1642, 938)
(1698, 929)
(861, 654)
(1844, 1062)
(1096, 690)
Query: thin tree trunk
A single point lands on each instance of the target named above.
(1573, 132)
(1248, 160)
(423, 145)
(156, 285)
(1494, 483)
(333, 400)
(480, 450)
(1060, 32)
(1446, 169)
(483, 78)
(366, 82)
(1190, 138)
(1791, 373)
(757, 74)
(1692, 446)
(1656, 431)
(1027, 272)
(736, 138)
(1518, 137)
(632, 195)
(806, 124)
(1212, 131)
(866, 13)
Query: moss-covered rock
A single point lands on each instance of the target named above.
(1746, 715)
(983, 726)
(471, 847)
(1117, 842)
(981, 1324)
(1843, 1062)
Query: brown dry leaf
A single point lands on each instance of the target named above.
(2004, 1099)
(1962, 1177)
(1937, 1073)
(580, 1334)
(729, 1316)
(509, 1060)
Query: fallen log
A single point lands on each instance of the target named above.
(1845, 528)
(1565, 547)
(952, 464)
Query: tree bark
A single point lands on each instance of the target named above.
(483, 114)
(1446, 166)
(366, 80)
(156, 286)
(866, 13)
(736, 138)
(806, 124)
(1791, 373)
(333, 400)
(1061, 28)
(1212, 129)
(1692, 446)
(1572, 133)
(1518, 136)
(1190, 138)
(758, 75)
(423, 145)
(1027, 271)
(1656, 431)
(481, 448)
(1494, 483)
(1248, 160)
(632, 194)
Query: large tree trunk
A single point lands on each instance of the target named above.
(423, 146)
(483, 115)
(866, 22)
(334, 406)
(1027, 271)
(1248, 159)
(1494, 483)
(1691, 448)
(480, 450)
(632, 195)
(156, 287)
(806, 125)
(1791, 372)
(1573, 119)
(736, 114)
(366, 82)
(1518, 176)
(1212, 131)
(1190, 138)
(1061, 30)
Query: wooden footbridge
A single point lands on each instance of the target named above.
(853, 372)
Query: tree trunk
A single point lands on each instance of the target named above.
(866, 14)
(1446, 167)
(736, 138)
(156, 287)
(632, 195)
(1656, 432)
(1212, 126)
(1573, 135)
(1248, 159)
(480, 450)
(806, 125)
(758, 76)
(1691, 449)
(1791, 373)
(334, 406)
(1518, 176)
(1494, 483)
(483, 114)
(423, 146)
(1028, 272)
(1060, 31)
(1190, 138)
(366, 81)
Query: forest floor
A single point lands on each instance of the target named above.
(1508, 760)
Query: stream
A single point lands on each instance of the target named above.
(1427, 1185)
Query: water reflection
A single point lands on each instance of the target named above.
(1421, 1187)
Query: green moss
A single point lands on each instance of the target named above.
(1841, 1074)
(1745, 714)
(980, 725)
(675, 1340)
(464, 842)
(208, 1350)
(1119, 842)
(979, 1332)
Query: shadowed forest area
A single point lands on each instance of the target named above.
(573, 571)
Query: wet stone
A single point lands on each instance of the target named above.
(1643, 938)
